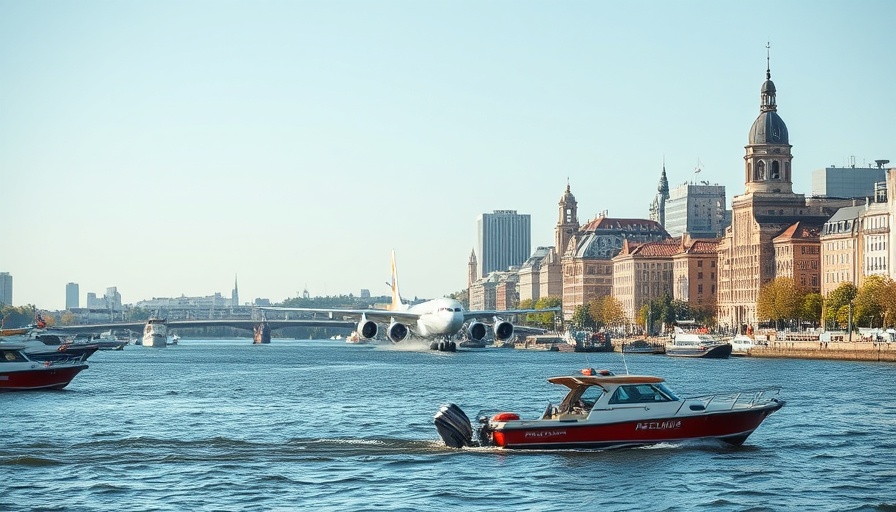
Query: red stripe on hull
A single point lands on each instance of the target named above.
(733, 425)
(39, 378)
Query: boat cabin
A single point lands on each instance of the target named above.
(606, 391)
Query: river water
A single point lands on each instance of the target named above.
(296, 425)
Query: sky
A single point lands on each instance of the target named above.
(169, 147)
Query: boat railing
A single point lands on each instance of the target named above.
(744, 399)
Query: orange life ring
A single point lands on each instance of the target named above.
(62, 348)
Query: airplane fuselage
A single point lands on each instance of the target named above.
(438, 317)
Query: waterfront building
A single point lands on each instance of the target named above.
(847, 182)
(698, 210)
(484, 293)
(840, 249)
(588, 261)
(767, 208)
(643, 272)
(874, 241)
(542, 274)
(695, 272)
(797, 253)
(530, 273)
(72, 296)
(183, 308)
(504, 238)
(5, 288)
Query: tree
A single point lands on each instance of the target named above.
(17, 317)
(837, 299)
(581, 318)
(811, 309)
(547, 320)
(869, 301)
(613, 312)
(888, 303)
(779, 300)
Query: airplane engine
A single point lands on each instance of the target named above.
(397, 332)
(476, 330)
(503, 330)
(367, 329)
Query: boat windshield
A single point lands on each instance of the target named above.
(11, 356)
(642, 393)
(590, 396)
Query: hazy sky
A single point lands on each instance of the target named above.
(164, 147)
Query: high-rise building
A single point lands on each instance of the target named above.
(71, 296)
(505, 240)
(113, 298)
(5, 288)
(848, 182)
(697, 209)
(235, 294)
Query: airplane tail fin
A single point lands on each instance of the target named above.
(397, 304)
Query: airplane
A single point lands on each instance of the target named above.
(437, 319)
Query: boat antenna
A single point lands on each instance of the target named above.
(624, 364)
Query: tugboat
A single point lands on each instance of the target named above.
(603, 410)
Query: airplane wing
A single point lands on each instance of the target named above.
(377, 315)
(469, 315)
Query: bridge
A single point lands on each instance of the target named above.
(261, 329)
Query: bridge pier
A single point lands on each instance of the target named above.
(262, 333)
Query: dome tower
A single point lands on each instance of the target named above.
(568, 222)
(768, 157)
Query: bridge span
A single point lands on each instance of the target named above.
(261, 329)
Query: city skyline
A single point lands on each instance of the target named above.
(163, 147)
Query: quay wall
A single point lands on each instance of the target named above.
(844, 351)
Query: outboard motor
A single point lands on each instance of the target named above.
(367, 329)
(503, 330)
(454, 426)
(476, 330)
(397, 332)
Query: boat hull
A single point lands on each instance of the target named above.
(62, 353)
(39, 377)
(733, 427)
(722, 351)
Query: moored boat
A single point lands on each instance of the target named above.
(688, 344)
(603, 410)
(43, 345)
(20, 373)
(741, 345)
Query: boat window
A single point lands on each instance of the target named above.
(638, 393)
(10, 356)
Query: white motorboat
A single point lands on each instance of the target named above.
(689, 344)
(155, 334)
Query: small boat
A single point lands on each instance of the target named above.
(643, 347)
(155, 333)
(741, 345)
(173, 339)
(19, 373)
(688, 344)
(43, 345)
(603, 410)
